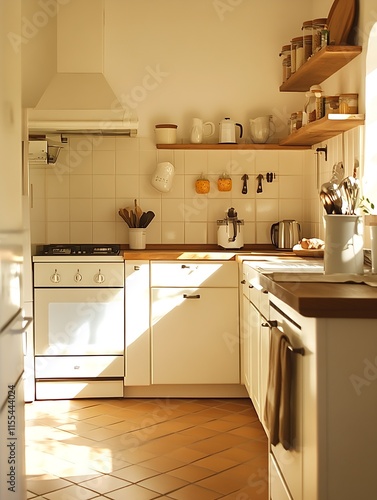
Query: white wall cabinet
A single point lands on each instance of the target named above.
(194, 323)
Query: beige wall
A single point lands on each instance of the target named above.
(209, 64)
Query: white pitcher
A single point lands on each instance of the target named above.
(261, 129)
(198, 130)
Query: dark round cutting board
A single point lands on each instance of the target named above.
(340, 20)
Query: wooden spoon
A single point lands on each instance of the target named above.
(138, 213)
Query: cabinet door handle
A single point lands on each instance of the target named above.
(185, 296)
(183, 266)
(243, 282)
(136, 268)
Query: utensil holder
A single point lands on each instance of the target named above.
(343, 244)
(136, 238)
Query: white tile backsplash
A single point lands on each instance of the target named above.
(78, 199)
(104, 162)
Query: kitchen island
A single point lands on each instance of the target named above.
(332, 328)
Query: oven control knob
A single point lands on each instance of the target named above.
(78, 277)
(99, 277)
(55, 278)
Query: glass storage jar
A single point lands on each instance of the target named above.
(285, 52)
(317, 26)
(307, 36)
(299, 50)
(296, 53)
(313, 106)
(331, 104)
(348, 103)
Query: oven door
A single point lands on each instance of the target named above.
(79, 321)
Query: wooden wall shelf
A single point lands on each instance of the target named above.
(217, 147)
(320, 66)
(323, 129)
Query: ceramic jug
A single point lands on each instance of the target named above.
(199, 130)
(261, 129)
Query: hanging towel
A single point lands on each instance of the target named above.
(278, 398)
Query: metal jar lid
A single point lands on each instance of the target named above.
(166, 125)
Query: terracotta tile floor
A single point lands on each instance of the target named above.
(141, 449)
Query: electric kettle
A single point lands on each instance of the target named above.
(285, 234)
(227, 131)
(229, 230)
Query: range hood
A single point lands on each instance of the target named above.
(79, 99)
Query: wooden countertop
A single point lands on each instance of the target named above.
(326, 300)
(201, 252)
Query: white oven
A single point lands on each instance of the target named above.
(79, 326)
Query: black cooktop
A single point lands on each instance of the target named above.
(85, 249)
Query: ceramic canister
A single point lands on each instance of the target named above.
(343, 244)
(166, 133)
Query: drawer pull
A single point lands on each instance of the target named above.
(185, 296)
(136, 268)
(76, 367)
(183, 266)
(243, 282)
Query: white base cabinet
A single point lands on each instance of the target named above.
(195, 322)
(182, 328)
(255, 340)
(137, 339)
(277, 486)
(195, 336)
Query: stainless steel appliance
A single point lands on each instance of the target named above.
(227, 131)
(12, 337)
(79, 321)
(229, 230)
(286, 451)
(285, 234)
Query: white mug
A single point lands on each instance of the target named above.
(198, 130)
